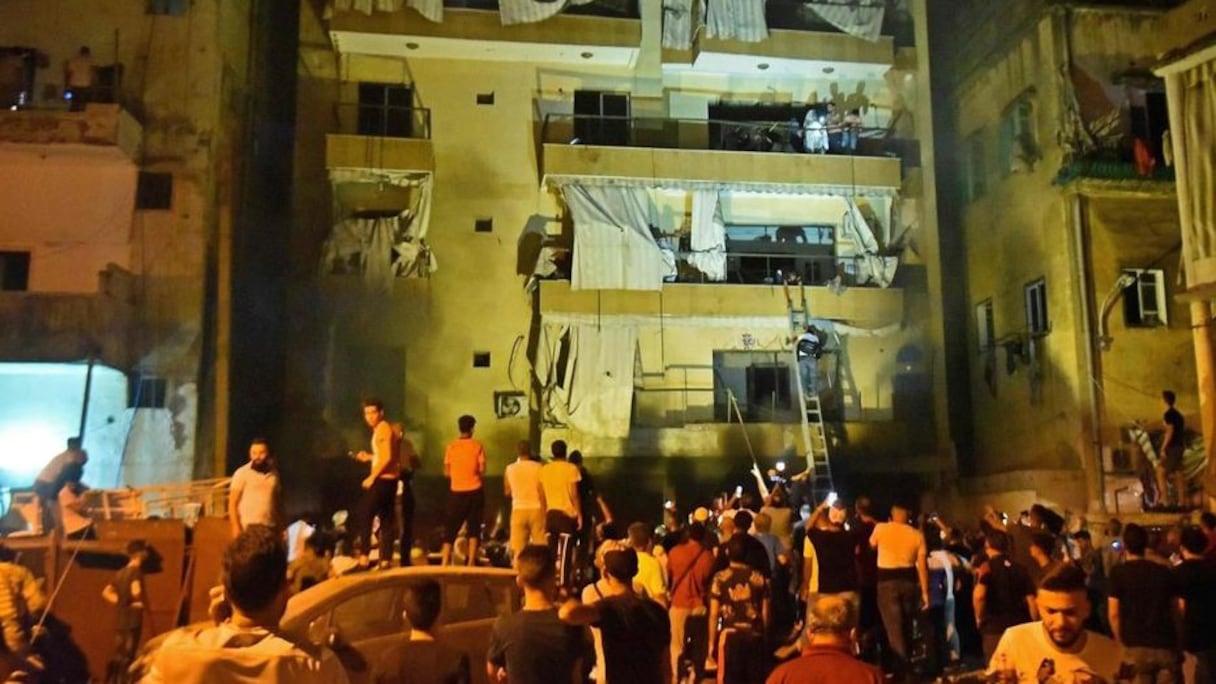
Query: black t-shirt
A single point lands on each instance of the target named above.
(1145, 591)
(636, 633)
(1008, 584)
(867, 556)
(1196, 582)
(835, 551)
(757, 556)
(129, 616)
(1174, 418)
(535, 646)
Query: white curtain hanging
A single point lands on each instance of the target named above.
(1194, 141)
(874, 267)
(708, 235)
(736, 19)
(598, 388)
(677, 24)
(530, 11)
(385, 247)
(861, 19)
(613, 246)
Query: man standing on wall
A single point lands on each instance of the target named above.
(380, 486)
(54, 475)
(464, 464)
(255, 496)
(1172, 447)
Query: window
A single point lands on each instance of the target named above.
(154, 190)
(985, 325)
(754, 253)
(372, 614)
(1144, 304)
(483, 225)
(386, 109)
(485, 98)
(146, 392)
(14, 271)
(481, 359)
(175, 8)
(1036, 308)
(975, 172)
(1019, 144)
(768, 384)
(601, 118)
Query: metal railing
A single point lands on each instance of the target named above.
(385, 121)
(718, 134)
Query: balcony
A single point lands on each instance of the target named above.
(575, 36)
(394, 138)
(707, 150)
(860, 306)
(108, 128)
(56, 327)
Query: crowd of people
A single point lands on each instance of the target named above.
(745, 589)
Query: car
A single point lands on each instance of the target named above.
(360, 616)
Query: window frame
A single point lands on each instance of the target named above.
(975, 167)
(1038, 322)
(1160, 304)
(985, 325)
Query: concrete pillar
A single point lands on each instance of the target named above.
(1201, 333)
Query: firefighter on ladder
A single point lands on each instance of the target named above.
(809, 347)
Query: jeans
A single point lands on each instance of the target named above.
(378, 502)
(407, 523)
(808, 370)
(899, 603)
(1154, 665)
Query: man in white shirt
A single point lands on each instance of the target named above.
(902, 570)
(521, 481)
(808, 348)
(1058, 649)
(255, 496)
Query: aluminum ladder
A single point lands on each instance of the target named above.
(814, 433)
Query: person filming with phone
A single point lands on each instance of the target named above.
(828, 553)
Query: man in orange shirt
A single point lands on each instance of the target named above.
(464, 464)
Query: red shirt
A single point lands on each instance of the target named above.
(692, 565)
(826, 665)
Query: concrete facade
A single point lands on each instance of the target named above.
(415, 344)
(143, 277)
(1039, 203)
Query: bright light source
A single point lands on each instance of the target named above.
(781, 466)
(28, 446)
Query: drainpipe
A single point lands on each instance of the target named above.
(1095, 469)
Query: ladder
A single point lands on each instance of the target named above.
(814, 434)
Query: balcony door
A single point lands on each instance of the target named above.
(601, 118)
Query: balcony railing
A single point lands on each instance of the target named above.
(720, 134)
(384, 121)
(767, 268)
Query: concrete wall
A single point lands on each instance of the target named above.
(1035, 416)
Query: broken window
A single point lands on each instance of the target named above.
(1144, 303)
(1037, 322)
(1019, 142)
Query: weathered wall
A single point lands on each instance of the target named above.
(1034, 415)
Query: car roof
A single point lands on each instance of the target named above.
(305, 602)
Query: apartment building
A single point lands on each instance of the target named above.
(573, 221)
(1062, 187)
(122, 145)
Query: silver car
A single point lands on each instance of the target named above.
(360, 616)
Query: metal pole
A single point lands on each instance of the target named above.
(88, 388)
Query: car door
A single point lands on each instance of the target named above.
(368, 631)
(471, 604)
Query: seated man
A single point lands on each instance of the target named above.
(247, 646)
(423, 660)
(1058, 647)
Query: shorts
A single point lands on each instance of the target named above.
(464, 508)
(1173, 459)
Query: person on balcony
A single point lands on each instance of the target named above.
(78, 79)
